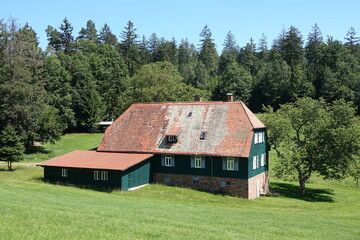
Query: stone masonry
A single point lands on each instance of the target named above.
(232, 186)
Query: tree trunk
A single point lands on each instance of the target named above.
(9, 166)
(302, 186)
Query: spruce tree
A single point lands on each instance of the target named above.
(11, 146)
(106, 36)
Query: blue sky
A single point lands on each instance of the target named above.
(186, 19)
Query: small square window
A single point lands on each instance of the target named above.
(222, 184)
(104, 175)
(97, 175)
(64, 172)
(189, 115)
(171, 139)
(228, 184)
(167, 180)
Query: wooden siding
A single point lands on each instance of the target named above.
(83, 176)
(137, 175)
(257, 150)
(183, 166)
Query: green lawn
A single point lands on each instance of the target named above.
(32, 209)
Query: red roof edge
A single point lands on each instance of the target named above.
(255, 122)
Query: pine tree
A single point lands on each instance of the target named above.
(66, 37)
(208, 54)
(89, 33)
(106, 36)
(262, 48)
(11, 147)
(129, 47)
(352, 41)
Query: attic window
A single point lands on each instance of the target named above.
(202, 135)
(189, 115)
(171, 139)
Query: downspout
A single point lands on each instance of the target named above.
(211, 176)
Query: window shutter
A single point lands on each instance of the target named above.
(172, 160)
(202, 162)
(263, 137)
(162, 160)
(192, 161)
(236, 168)
(224, 163)
(264, 159)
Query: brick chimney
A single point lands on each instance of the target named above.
(229, 97)
(198, 98)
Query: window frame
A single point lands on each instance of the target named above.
(230, 164)
(64, 172)
(96, 175)
(168, 161)
(104, 175)
(255, 162)
(198, 162)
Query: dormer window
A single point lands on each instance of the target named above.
(172, 139)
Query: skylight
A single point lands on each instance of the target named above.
(189, 115)
(202, 135)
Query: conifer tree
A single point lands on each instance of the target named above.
(106, 36)
(208, 54)
(11, 146)
(129, 47)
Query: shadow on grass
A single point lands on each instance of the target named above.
(289, 190)
(94, 187)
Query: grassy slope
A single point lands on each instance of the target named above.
(31, 209)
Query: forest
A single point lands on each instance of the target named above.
(93, 75)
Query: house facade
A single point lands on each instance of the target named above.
(210, 146)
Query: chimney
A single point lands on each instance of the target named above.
(229, 97)
(198, 98)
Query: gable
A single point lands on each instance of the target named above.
(143, 128)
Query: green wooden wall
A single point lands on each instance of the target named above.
(258, 149)
(137, 175)
(213, 167)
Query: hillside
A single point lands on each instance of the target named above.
(33, 209)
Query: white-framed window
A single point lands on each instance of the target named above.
(104, 175)
(197, 163)
(259, 137)
(255, 162)
(96, 175)
(230, 164)
(263, 159)
(64, 172)
(168, 159)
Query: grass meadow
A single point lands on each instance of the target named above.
(33, 209)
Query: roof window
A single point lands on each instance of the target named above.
(202, 135)
(190, 114)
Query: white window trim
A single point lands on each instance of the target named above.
(255, 162)
(96, 175)
(263, 159)
(167, 160)
(104, 175)
(230, 164)
(64, 172)
(259, 137)
(197, 162)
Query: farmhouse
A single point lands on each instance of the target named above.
(210, 146)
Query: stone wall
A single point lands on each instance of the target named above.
(231, 186)
(245, 188)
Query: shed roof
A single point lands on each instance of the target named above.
(143, 127)
(96, 160)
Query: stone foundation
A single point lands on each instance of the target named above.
(232, 186)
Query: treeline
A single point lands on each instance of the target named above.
(81, 79)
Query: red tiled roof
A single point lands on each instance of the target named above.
(96, 160)
(174, 131)
(142, 129)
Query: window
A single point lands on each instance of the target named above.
(168, 161)
(104, 175)
(64, 172)
(255, 162)
(197, 162)
(189, 115)
(172, 139)
(202, 135)
(230, 164)
(97, 175)
(263, 159)
(195, 180)
(259, 137)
